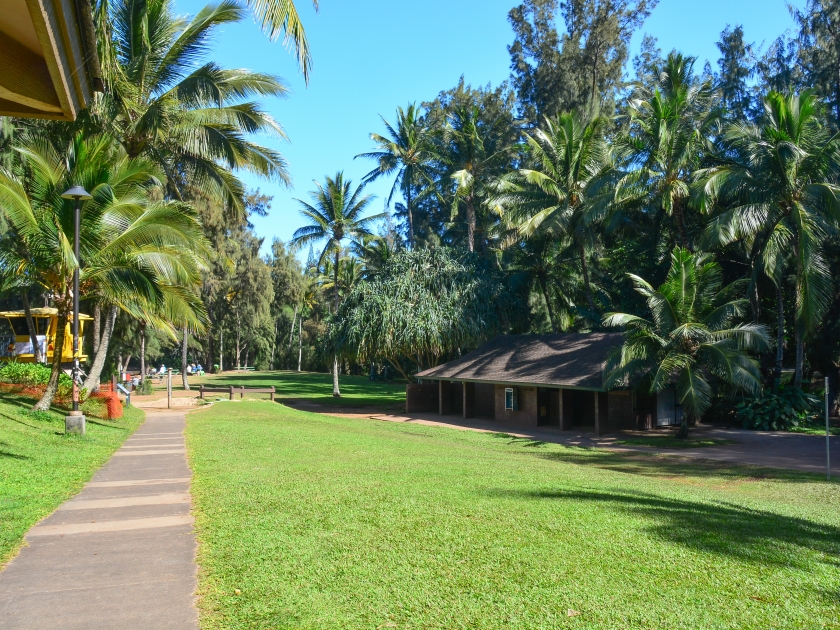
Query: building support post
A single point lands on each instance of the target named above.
(597, 415)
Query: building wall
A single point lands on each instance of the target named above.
(526, 415)
(421, 397)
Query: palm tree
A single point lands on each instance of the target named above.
(374, 252)
(334, 215)
(691, 339)
(780, 200)
(669, 131)
(567, 191)
(193, 121)
(281, 16)
(472, 155)
(408, 152)
(140, 256)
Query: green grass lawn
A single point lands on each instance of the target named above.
(40, 466)
(356, 391)
(311, 521)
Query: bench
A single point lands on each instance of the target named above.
(244, 368)
(233, 389)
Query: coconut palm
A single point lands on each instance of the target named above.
(568, 189)
(192, 119)
(669, 132)
(142, 257)
(473, 156)
(691, 339)
(334, 215)
(778, 197)
(281, 16)
(406, 151)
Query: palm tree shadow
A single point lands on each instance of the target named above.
(720, 527)
(673, 466)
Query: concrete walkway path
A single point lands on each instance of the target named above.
(121, 553)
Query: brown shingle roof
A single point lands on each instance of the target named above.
(567, 360)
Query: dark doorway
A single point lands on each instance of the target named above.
(579, 407)
(547, 412)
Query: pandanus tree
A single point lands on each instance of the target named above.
(162, 103)
(335, 214)
(670, 130)
(407, 153)
(424, 307)
(775, 192)
(691, 340)
(143, 257)
(566, 189)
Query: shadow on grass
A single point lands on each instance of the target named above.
(519, 441)
(31, 426)
(673, 466)
(722, 528)
(10, 455)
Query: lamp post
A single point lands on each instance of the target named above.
(75, 422)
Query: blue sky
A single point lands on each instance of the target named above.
(372, 55)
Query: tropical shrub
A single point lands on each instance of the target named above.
(145, 387)
(692, 341)
(778, 411)
(37, 375)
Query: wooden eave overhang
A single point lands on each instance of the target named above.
(48, 62)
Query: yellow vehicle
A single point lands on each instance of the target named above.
(19, 346)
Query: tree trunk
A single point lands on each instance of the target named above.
(184, 347)
(238, 347)
(221, 349)
(247, 352)
(683, 432)
(274, 343)
(97, 327)
(780, 335)
(142, 350)
(800, 358)
(679, 216)
(470, 224)
(833, 374)
(291, 334)
(541, 281)
(92, 382)
(798, 332)
(300, 341)
(30, 324)
(586, 285)
(336, 390)
(410, 217)
(52, 385)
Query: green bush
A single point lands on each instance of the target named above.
(145, 388)
(37, 375)
(788, 408)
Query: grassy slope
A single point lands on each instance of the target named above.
(40, 467)
(324, 522)
(311, 386)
